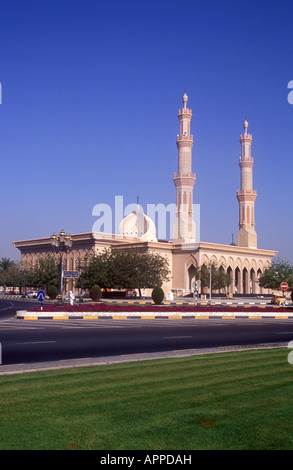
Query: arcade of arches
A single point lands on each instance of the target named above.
(244, 276)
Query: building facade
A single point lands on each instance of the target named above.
(243, 261)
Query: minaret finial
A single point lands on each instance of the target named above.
(245, 125)
(185, 99)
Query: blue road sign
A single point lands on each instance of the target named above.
(41, 296)
(72, 274)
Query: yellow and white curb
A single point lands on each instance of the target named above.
(26, 315)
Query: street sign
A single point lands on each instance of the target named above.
(70, 274)
(284, 286)
(41, 296)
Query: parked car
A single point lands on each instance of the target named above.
(278, 300)
(130, 294)
(32, 295)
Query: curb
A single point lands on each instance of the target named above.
(25, 315)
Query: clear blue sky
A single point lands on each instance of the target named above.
(90, 97)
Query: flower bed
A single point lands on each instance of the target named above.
(105, 307)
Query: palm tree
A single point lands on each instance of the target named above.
(5, 264)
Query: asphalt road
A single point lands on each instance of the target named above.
(42, 341)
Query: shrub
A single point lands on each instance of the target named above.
(95, 292)
(52, 292)
(158, 295)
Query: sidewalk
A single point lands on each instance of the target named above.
(127, 358)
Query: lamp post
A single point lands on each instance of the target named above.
(62, 243)
(210, 281)
(24, 271)
(81, 265)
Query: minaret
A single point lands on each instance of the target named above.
(246, 195)
(184, 226)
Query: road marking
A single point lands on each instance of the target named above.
(175, 337)
(7, 308)
(37, 342)
(284, 333)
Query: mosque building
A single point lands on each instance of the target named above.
(244, 261)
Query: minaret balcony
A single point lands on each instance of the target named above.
(246, 161)
(185, 140)
(187, 179)
(185, 112)
(246, 195)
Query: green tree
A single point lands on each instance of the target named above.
(203, 274)
(45, 273)
(137, 270)
(219, 276)
(127, 269)
(97, 270)
(222, 279)
(11, 276)
(279, 271)
(6, 263)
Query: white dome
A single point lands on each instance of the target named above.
(138, 225)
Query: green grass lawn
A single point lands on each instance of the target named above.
(238, 400)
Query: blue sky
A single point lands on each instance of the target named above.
(90, 98)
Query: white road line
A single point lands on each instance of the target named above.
(284, 333)
(6, 308)
(37, 342)
(176, 337)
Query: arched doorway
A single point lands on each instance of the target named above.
(252, 281)
(237, 287)
(191, 273)
(259, 273)
(245, 282)
(230, 273)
